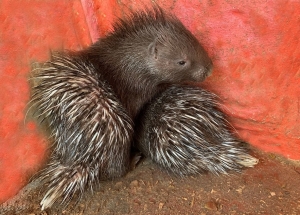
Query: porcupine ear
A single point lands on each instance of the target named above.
(152, 48)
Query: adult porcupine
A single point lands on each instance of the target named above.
(183, 131)
(83, 94)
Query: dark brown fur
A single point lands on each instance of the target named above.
(145, 53)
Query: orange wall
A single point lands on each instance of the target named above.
(254, 45)
(28, 31)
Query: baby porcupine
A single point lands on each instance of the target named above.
(91, 97)
(92, 132)
(183, 131)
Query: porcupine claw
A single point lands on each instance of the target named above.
(91, 131)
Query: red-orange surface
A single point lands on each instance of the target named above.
(254, 45)
(28, 31)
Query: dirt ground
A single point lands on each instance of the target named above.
(272, 187)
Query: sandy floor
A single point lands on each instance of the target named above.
(272, 187)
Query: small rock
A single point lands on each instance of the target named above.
(160, 205)
(119, 185)
(273, 193)
(240, 190)
(211, 205)
(213, 191)
(134, 183)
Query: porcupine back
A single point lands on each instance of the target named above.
(91, 130)
(184, 132)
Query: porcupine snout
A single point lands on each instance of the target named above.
(202, 72)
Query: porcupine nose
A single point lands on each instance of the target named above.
(203, 72)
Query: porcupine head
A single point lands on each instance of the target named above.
(146, 52)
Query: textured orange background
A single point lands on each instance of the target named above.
(254, 45)
(28, 31)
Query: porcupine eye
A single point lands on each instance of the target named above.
(181, 63)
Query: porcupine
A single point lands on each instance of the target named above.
(92, 132)
(184, 131)
(92, 97)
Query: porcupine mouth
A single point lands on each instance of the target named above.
(199, 77)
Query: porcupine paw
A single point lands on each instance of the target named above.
(184, 132)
